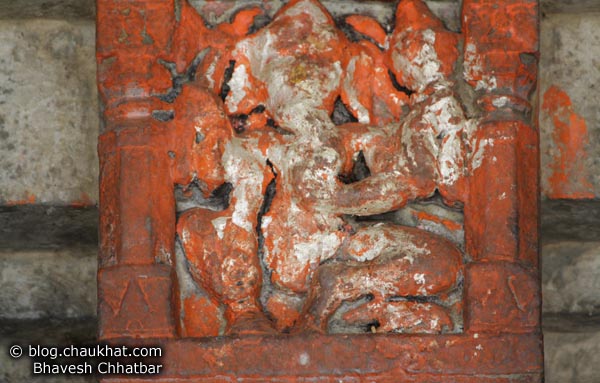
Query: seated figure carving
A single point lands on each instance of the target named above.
(286, 253)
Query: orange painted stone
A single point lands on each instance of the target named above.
(252, 174)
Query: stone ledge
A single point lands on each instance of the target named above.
(571, 277)
(572, 357)
(570, 220)
(48, 283)
(572, 346)
(571, 323)
(47, 227)
(569, 6)
(51, 9)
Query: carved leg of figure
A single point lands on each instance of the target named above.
(401, 316)
(383, 261)
(222, 259)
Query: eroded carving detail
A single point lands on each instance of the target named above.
(330, 175)
(270, 190)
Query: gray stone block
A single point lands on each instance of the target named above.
(57, 283)
(570, 221)
(570, 47)
(48, 112)
(42, 332)
(61, 9)
(572, 357)
(571, 277)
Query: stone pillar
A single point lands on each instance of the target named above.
(501, 216)
(137, 219)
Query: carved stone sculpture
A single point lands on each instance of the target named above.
(292, 176)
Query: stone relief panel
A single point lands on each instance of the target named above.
(320, 171)
(321, 190)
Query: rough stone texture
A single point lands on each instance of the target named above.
(569, 98)
(45, 332)
(283, 79)
(59, 9)
(48, 283)
(47, 227)
(571, 277)
(570, 221)
(572, 357)
(382, 11)
(570, 6)
(48, 113)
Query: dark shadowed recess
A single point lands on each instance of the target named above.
(570, 220)
(47, 227)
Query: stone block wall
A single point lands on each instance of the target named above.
(48, 178)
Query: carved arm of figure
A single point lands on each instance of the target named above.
(398, 173)
(409, 160)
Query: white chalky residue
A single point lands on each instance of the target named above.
(367, 251)
(244, 172)
(447, 117)
(480, 152)
(240, 214)
(407, 139)
(355, 105)
(433, 323)
(238, 84)
(410, 258)
(304, 359)
(266, 221)
(309, 8)
(210, 72)
(185, 235)
(473, 64)
(474, 69)
(419, 279)
(449, 160)
(320, 246)
(500, 102)
(139, 113)
(425, 67)
(488, 83)
(219, 225)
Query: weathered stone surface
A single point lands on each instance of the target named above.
(47, 227)
(242, 110)
(570, 6)
(58, 9)
(46, 332)
(570, 220)
(48, 113)
(572, 357)
(571, 277)
(383, 11)
(569, 97)
(48, 284)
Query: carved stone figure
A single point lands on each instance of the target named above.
(287, 178)
(292, 72)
